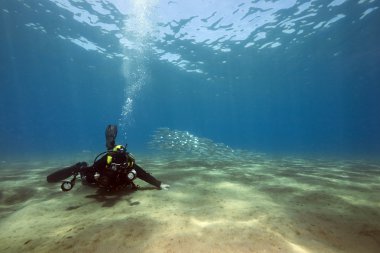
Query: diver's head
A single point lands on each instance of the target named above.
(118, 154)
(119, 149)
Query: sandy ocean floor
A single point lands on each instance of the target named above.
(263, 204)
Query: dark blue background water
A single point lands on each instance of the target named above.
(56, 97)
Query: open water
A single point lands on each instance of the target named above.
(263, 116)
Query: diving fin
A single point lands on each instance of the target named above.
(65, 172)
(111, 133)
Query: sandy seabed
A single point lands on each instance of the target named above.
(262, 204)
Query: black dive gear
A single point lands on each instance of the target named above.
(106, 173)
(68, 185)
(66, 172)
(115, 169)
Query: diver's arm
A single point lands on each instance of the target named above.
(145, 176)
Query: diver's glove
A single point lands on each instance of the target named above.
(164, 187)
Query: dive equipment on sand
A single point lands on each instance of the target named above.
(112, 169)
(66, 172)
(132, 175)
(109, 176)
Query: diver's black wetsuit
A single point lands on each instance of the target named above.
(115, 169)
(100, 166)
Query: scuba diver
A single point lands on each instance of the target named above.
(116, 169)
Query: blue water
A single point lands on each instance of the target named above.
(269, 76)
